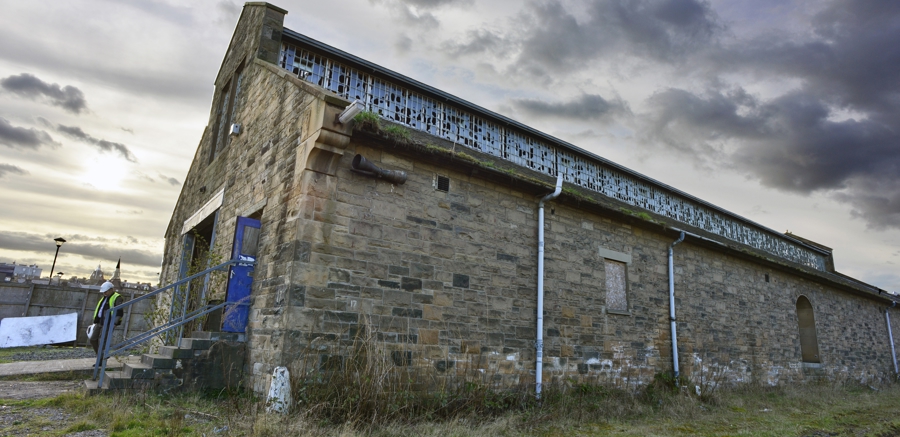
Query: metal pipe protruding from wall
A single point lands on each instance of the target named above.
(672, 305)
(363, 166)
(539, 342)
(887, 317)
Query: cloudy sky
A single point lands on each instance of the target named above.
(785, 112)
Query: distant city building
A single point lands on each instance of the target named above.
(145, 286)
(97, 277)
(7, 272)
(19, 272)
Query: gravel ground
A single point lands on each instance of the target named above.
(47, 353)
(24, 420)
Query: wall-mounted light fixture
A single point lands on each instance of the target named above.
(350, 111)
(235, 129)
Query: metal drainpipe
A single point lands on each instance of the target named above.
(887, 317)
(672, 305)
(539, 342)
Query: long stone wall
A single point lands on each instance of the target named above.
(27, 300)
(444, 281)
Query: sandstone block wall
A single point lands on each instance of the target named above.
(445, 282)
(451, 278)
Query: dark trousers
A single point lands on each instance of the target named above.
(95, 337)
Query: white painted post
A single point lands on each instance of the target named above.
(279, 400)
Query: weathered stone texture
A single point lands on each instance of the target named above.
(446, 281)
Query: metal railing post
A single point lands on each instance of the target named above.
(106, 341)
(184, 306)
(106, 347)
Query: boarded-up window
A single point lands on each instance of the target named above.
(615, 285)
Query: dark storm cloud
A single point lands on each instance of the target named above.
(788, 143)
(550, 38)
(835, 132)
(29, 86)
(86, 247)
(6, 169)
(851, 59)
(104, 145)
(14, 136)
(584, 107)
(874, 200)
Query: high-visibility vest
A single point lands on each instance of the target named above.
(112, 303)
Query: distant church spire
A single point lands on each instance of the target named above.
(116, 279)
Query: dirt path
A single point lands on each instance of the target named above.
(21, 390)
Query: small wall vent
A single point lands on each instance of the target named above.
(442, 183)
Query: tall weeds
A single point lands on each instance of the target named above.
(363, 380)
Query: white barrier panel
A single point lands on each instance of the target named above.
(33, 331)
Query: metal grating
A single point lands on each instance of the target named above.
(442, 183)
(395, 103)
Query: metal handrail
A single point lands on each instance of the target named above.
(107, 328)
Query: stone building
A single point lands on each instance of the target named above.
(442, 268)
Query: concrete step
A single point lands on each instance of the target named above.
(116, 379)
(219, 336)
(196, 343)
(158, 361)
(176, 352)
(91, 386)
(138, 371)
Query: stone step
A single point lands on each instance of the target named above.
(138, 371)
(116, 379)
(91, 386)
(196, 343)
(176, 352)
(219, 336)
(158, 361)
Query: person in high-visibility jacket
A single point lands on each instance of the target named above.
(109, 299)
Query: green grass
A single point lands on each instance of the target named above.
(398, 133)
(583, 410)
(368, 118)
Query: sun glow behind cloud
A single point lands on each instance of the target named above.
(104, 172)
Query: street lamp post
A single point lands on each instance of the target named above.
(59, 241)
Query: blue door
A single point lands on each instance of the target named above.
(240, 276)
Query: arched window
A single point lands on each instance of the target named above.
(809, 345)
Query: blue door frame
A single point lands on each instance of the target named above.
(240, 276)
